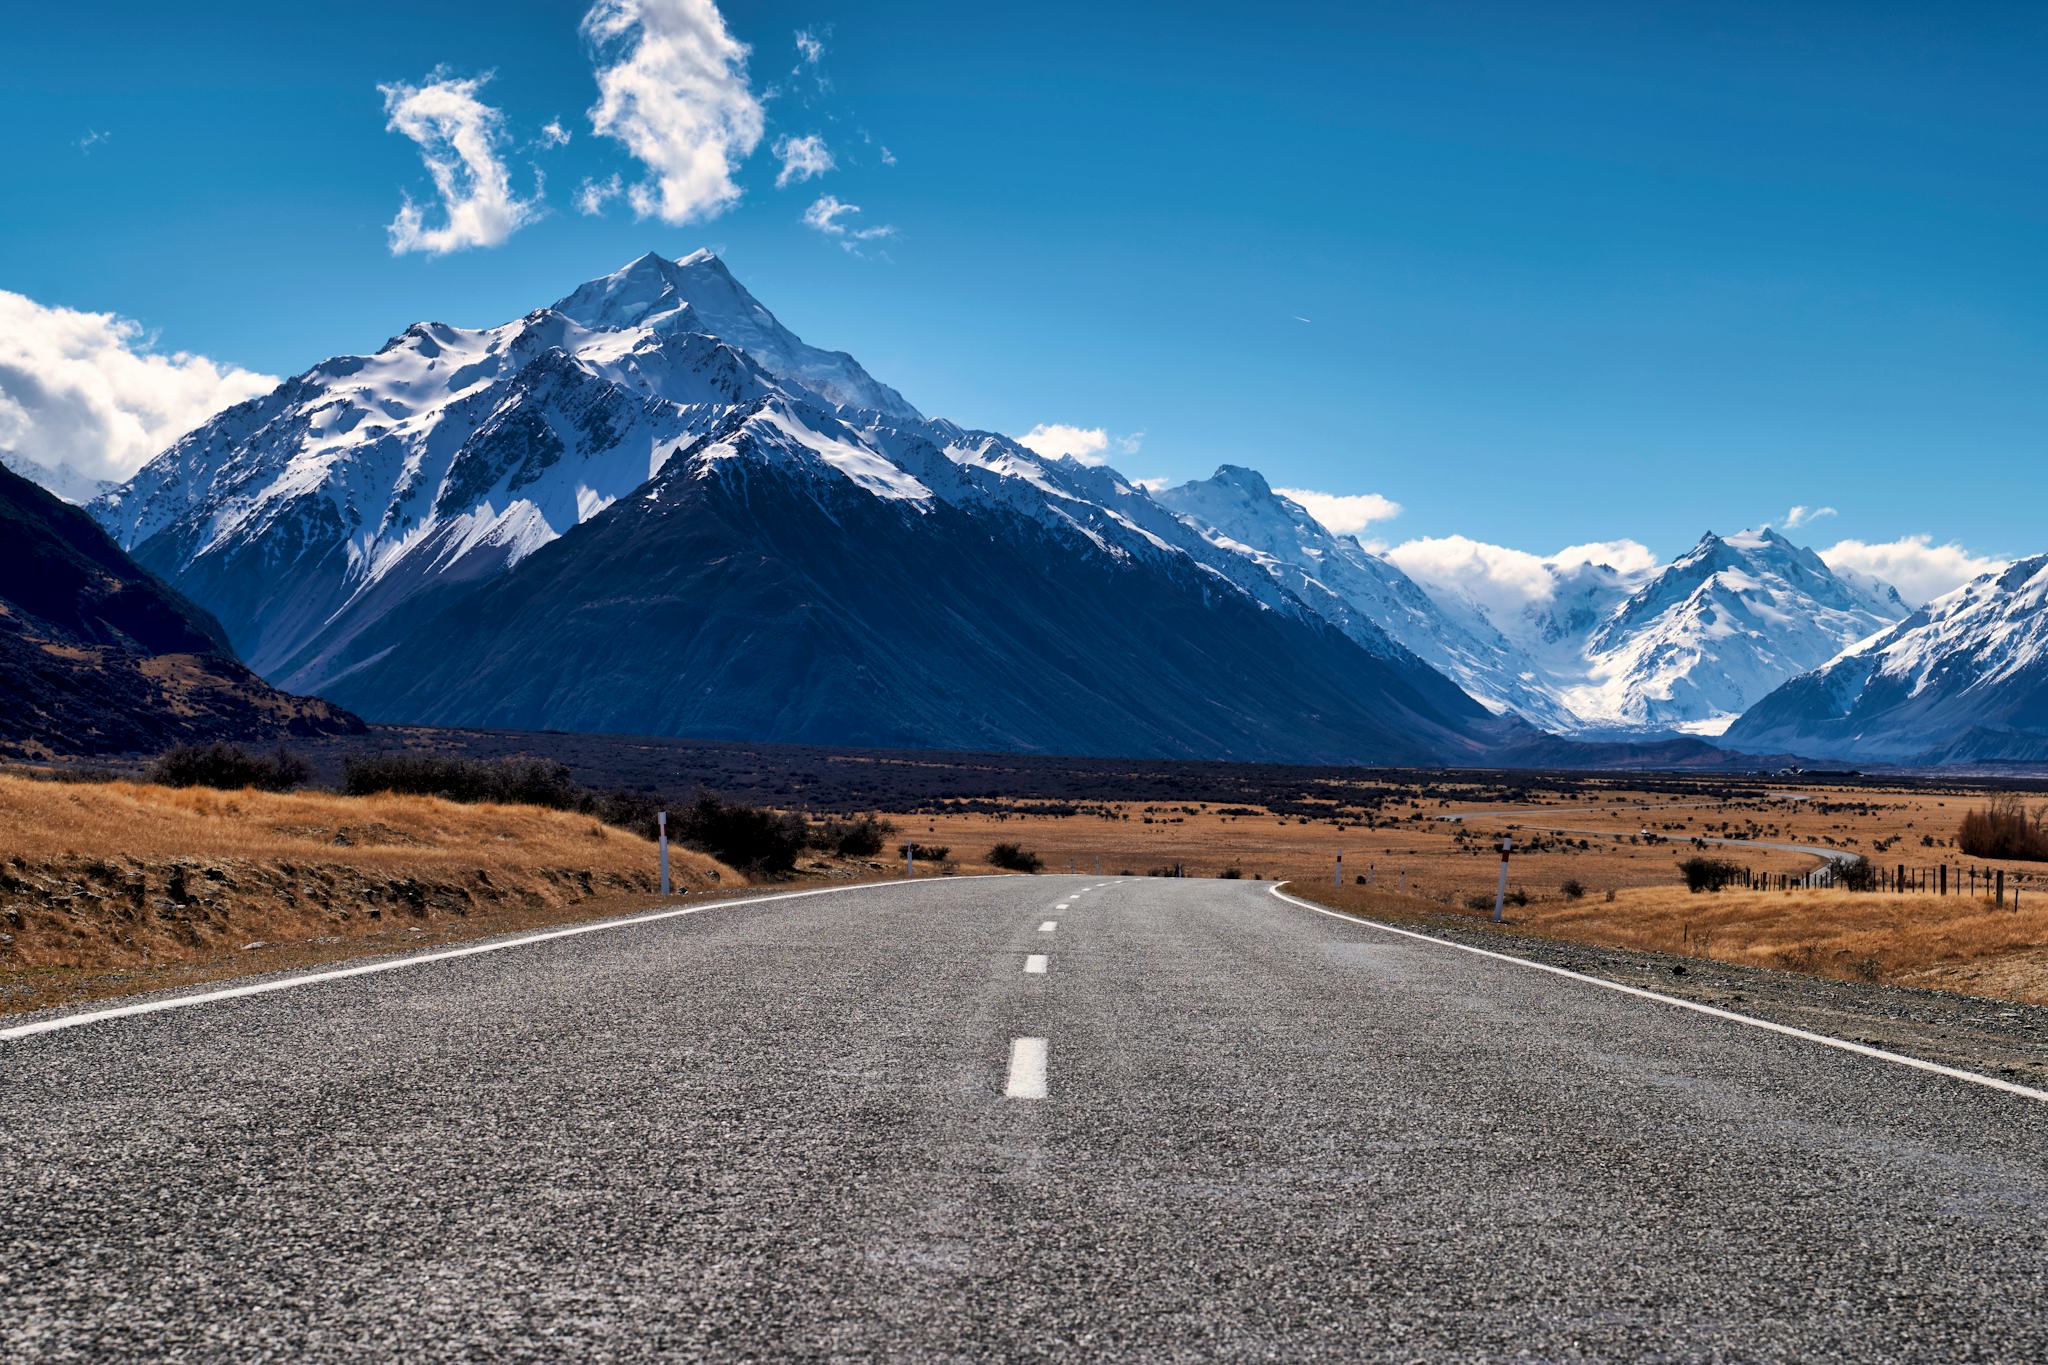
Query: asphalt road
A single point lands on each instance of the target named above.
(783, 1130)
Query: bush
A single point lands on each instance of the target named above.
(1708, 874)
(747, 837)
(860, 838)
(930, 853)
(1014, 858)
(1852, 874)
(2005, 829)
(1230, 874)
(514, 781)
(230, 768)
(1573, 889)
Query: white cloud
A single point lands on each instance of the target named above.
(593, 195)
(803, 158)
(458, 137)
(1802, 515)
(888, 157)
(1915, 565)
(92, 138)
(1345, 513)
(1505, 580)
(672, 86)
(89, 393)
(1152, 485)
(825, 215)
(1054, 439)
(809, 47)
(553, 134)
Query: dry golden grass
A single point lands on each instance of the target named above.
(1422, 867)
(96, 877)
(1959, 943)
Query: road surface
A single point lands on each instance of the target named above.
(999, 1118)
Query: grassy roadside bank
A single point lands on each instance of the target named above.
(1951, 943)
(118, 888)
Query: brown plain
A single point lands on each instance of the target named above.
(1424, 865)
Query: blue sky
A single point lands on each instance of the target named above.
(1570, 273)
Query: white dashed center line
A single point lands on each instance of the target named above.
(1048, 926)
(1034, 964)
(1027, 1069)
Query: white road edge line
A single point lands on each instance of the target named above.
(1027, 1069)
(419, 960)
(1843, 1044)
(1048, 926)
(1034, 964)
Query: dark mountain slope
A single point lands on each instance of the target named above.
(99, 656)
(741, 597)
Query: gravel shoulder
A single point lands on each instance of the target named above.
(1996, 1037)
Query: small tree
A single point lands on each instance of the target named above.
(2005, 829)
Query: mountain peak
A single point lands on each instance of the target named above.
(1238, 476)
(699, 294)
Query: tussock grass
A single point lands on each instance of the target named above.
(1951, 942)
(116, 874)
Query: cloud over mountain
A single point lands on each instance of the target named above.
(91, 394)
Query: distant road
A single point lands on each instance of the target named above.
(999, 1118)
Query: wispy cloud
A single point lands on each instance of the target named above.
(92, 138)
(1915, 565)
(553, 135)
(459, 138)
(809, 48)
(1299, 318)
(672, 87)
(802, 158)
(593, 195)
(1345, 513)
(825, 216)
(90, 392)
(1802, 515)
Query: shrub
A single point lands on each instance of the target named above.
(1014, 858)
(1852, 874)
(860, 838)
(747, 837)
(1230, 874)
(229, 767)
(515, 781)
(2005, 829)
(630, 810)
(1573, 889)
(930, 853)
(1708, 874)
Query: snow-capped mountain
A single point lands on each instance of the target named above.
(1717, 629)
(1681, 649)
(1363, 594)
(1963, 679)
(387, 527)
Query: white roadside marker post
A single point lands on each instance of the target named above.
(1368, 873)
(1500, 893)
(661, 832)
(910, 857)
(1340, 868)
